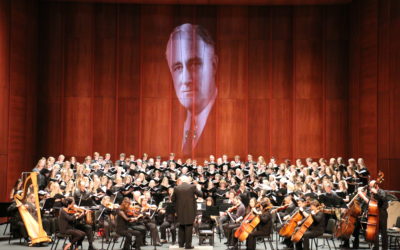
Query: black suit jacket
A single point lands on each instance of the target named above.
(185, 202)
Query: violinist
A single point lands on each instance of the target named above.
(316, 229)
(380, 196)
(125, 218)
(235, 219)
(149, 222)
(224, 217)
(66, 221)
(107, 216)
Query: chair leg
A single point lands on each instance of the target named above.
(265, 245)
(122, 241)
(5, 229)
(271, 244)
(333, 242)
(327, 242)
(58, 240)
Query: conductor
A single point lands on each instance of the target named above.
(184, 198)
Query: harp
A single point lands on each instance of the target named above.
(32, 220)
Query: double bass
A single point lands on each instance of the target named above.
(373, 215)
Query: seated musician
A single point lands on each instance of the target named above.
(205, 222)
(264, 228)
(17, 227)
(235, 219)
(284, 214)
(107, 216)
(316, 229)
(169, 221)
(149, 220)
(81, 194)
(67, 218)
(125, 218)
(380, 196)
(224, 218)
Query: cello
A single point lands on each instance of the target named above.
(308, 221)
(249, 223)
(373, 215)
(291, 224)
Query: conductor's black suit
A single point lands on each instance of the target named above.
(184, 198)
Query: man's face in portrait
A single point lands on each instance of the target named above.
(192, 63)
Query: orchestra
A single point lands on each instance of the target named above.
(133, 196)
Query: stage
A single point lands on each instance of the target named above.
(15, 244)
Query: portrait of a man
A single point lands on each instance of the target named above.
(192, 61)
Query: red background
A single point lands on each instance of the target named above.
(294, 82)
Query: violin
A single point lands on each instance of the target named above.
(111, 205)
(134, 210)
(233, 208)
(75, 210)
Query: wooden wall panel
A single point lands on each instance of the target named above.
(128, 49)
(23, 73)
(4, 77)
(308, 139)
(231, 127)
(4, 184)
(258, 127)
(77, 131)
(155, 126)
(105, 51)
(281, 129)
(104, 121)
(128, 123)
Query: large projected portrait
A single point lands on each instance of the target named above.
(193, 63)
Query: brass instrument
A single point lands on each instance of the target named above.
(33, 227)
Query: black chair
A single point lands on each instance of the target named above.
(206, 234)
(269, 239)
(112, 242)
(4, 214)
(58, 237)
(328, 235)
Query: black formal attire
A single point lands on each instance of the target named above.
(107, 220)
(264, 229)
(184, 198)
(230, 227)
(124, 229)
(66, 225)
(382, 200)
(168, 222)
(316, 229)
